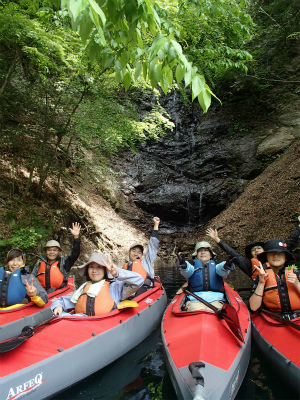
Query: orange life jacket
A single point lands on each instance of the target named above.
(137, 267)
(103, 303)
(280, 295)
(255, 263)
(50, 276)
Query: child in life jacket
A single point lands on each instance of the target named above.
(52, 270)
(144, 265)
(277, 287)
(247, 265)
(100, 294)
(205, 277)
(17, 285)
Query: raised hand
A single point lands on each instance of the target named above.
(213, 233)
(156, 222)
(75, 230)
(31, 290)
(181, 261)
(112, 268)
(263, 275)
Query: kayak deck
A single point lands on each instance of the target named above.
(13, 319)
(200, 336)
(280, 343)
(63, 333)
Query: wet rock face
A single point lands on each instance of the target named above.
(190, 175)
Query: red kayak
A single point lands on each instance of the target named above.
(67, 349)
(204, 357)
(280, 343)
(14, 318)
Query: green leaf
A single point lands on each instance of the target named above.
(85, 28)
(169, 76)
(98, 10)
(164, 84)
(179, 73)
(157, 44)
(177, 47)
(124, 59)
(155, 73)
(139, 38)
(75, 7)
(204, 99)
(198, 83)
(138, 69)
(145, 70)
(127, 80)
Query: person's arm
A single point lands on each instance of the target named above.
(244, 264)
(149, 259)
(64, 303)
(67, 263)
(221, 269)
(35, 291)
(292, 240)
(259, 282)
(188, 271)
(126, 283)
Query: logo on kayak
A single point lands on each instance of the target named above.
(234, 383)
(148, 300)
(239, 299)
(21, 391)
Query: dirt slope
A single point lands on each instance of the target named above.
(268, 207)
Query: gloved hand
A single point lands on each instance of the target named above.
(229, 264)
(181, 261)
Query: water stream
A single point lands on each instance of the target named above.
(141, 374)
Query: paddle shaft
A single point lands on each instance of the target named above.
(280, 318)
(232, 322)
(209, 305)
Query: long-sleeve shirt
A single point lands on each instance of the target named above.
(208, 295)
(244, 264)
(120, 289)
(149, 259)
(65, 263)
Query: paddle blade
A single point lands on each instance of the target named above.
(127, 304)
(232, 320)
(14, 342)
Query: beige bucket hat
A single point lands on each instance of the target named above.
(205, 245)
(97, 258)
(137, 245)
(53, 243)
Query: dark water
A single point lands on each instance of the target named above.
(141, 374)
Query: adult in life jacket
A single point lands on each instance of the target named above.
(144, 265)
(17, 285)
(52, 270)
(252, 250)
(277, 287)
(205, 277)
(105, 287)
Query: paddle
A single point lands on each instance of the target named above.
(27, 332)
(280, 318)
(227, 312)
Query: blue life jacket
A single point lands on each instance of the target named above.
(12, 289)
(205, 277)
